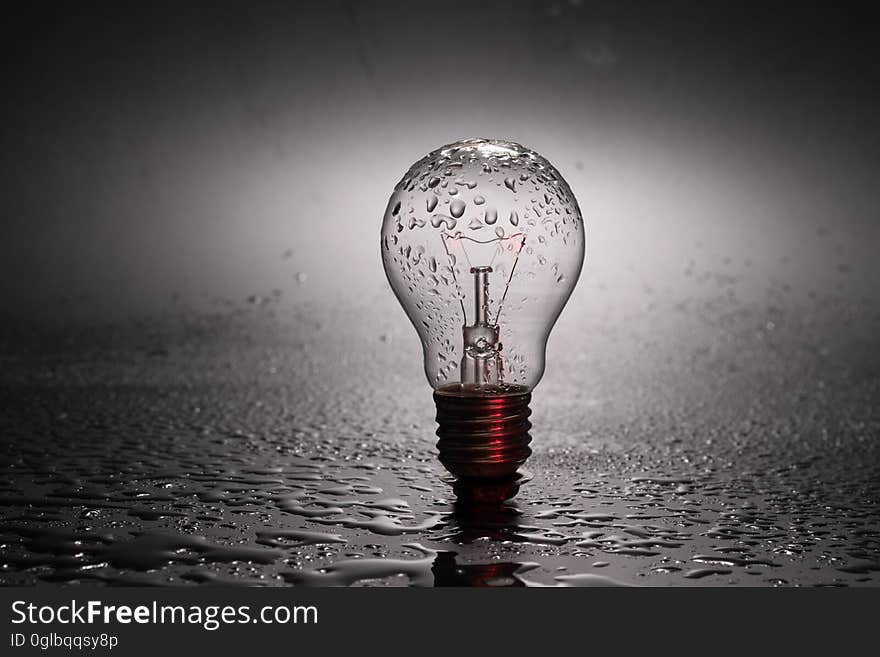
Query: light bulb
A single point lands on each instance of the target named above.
(482, 243)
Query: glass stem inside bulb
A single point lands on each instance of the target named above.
(481, 364)
(481, 295)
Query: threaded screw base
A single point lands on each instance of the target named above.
(483, 436)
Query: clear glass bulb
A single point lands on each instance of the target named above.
(482, 243)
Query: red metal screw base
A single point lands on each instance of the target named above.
(484, 436)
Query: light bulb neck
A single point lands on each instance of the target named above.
(484, 434)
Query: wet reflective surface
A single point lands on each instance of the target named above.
(261, 449)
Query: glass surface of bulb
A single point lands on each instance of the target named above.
(483, 242)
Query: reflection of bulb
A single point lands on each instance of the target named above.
(483, 243)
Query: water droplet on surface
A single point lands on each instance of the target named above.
(588, 580)
(456, 209)
(700, 573)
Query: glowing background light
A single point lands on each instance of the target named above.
(143, 168)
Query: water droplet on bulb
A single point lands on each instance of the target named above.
(457, 208)
(438, 219)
